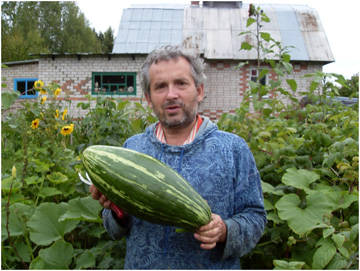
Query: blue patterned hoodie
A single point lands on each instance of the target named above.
(222, 169)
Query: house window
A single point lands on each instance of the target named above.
(114, 83)
(25, 87)
(254, 76)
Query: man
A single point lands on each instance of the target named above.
(217, 164)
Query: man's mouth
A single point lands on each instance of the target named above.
(171, 109)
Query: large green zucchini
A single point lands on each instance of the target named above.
(145, 187)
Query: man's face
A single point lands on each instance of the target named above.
(173, 94)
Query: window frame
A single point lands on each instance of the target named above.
(256, 76)
(26, 80)
(95, 89)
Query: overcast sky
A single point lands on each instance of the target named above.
(340, 20)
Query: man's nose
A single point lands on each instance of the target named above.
(172, 92)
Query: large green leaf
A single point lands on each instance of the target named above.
(10, 184)
(323, 256)
(19, 213)
(57, 177)
(273, 217)
(58, 256)
(342, 199)
(266, 187)
(49, 191)
(246, 46)
(86, 260)
(85, 209)
(299, 178)
(250, 21)
(338, 262)
(304, 220)
(266, 36)
(292, 83)
(45, 226)
(293, 265)
(9, 98)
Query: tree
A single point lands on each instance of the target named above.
(108, 41)
(47, 27)
(353, 87)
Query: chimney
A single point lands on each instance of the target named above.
(195, 3)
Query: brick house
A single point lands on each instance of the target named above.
(210, 27)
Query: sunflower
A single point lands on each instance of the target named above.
(64, 114)
(35, 123)
(57, 92)
(38, 85)
(67, 130)
(43, 99)
(57, 113)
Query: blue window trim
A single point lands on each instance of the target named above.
(26, 80)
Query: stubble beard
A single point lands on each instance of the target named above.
(188, 115)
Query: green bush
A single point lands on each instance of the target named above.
(308, 161)
(46, 211)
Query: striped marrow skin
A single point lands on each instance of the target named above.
(145, 187)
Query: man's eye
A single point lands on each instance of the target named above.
(181, 83)
(161, 86)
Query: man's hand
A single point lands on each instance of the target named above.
(95, 194)
(211, 233)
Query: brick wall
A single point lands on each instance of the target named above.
(28, 70)
(224, 87)
(74, 76)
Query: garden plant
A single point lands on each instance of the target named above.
(307, 156)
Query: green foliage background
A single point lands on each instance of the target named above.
(30, 27)
(308, 159)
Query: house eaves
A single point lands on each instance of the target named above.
(213, 30)
(22, 62)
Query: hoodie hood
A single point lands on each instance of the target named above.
(206, 128)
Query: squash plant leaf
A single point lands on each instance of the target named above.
(9, 98)
(19, 213)
(300, 179)
(10, 184)
(293, 265)
(85, 260)
(341, 199)
(304, 220)
(49, 192)
(85, 209)
(51, 256)
(37, 264)
(57, 177)
(45, 226)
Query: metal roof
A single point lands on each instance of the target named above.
(214, 31)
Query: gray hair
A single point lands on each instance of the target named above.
(168, 52)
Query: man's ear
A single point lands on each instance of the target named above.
(200, 91)
(148, 99)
